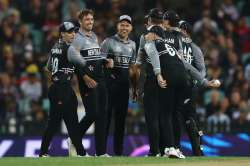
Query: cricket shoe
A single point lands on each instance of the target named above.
(104, 155)
(181, 155)
(44, 155)
(171, 153)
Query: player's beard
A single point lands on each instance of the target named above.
(88, 27)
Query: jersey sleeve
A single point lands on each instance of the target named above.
(153, 56)
(75, 57)
(105, 48)
(141, 52)
(195, 74)
(49, 63)
(198, 59)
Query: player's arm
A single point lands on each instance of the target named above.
(47, 70)
(74, 50)
(195, 74)
(135, 69)
(199, 59)
(75, 57)
(155, 62)
(106, 53)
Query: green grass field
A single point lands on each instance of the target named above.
(125, 161)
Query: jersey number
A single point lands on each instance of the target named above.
(54, 65)
(170, 50)
(188, 54)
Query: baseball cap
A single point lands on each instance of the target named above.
(125, 18)
(67, 27)
(185, 26)
(155, 13)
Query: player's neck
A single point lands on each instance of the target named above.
(123, 38)
(87, 32)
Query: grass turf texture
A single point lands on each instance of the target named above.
(125, 161)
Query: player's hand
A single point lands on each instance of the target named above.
(151, 37)
(161, 82)
(91, 83)
(135, 95)
(110, 63)
(214, 84)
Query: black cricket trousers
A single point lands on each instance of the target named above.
(95, 103)
(177, 91)
(118, 96)
(63, 105)
(152, 114)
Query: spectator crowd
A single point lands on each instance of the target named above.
(29, 28)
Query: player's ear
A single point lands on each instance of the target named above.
(131, 27)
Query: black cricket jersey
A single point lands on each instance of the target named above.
(61, 68)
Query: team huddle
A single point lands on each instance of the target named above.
(173, 67)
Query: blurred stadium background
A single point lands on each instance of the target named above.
(28, 29)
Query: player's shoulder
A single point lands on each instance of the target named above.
(58, 44)
(195, 46)
(108, 39)
(78, 37)
(132, 42)
(94, 35)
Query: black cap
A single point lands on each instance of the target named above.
(67, 27)
(185, 26)
(155, 13)
(172, 16)
(125, 18)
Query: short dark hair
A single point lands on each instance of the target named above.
(156, 21)
(156, 16)
(84, 12)
(172, 17)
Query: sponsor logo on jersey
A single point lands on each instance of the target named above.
(94, 51)
(122, 59)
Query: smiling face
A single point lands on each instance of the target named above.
(124, 28)
(87, 22)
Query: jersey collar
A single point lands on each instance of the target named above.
(117, 37)
(84, 34)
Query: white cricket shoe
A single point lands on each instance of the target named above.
(104, 155)
(44, 155)
(171, 153)
(181, 155)
(71, 148)
(86, 155)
